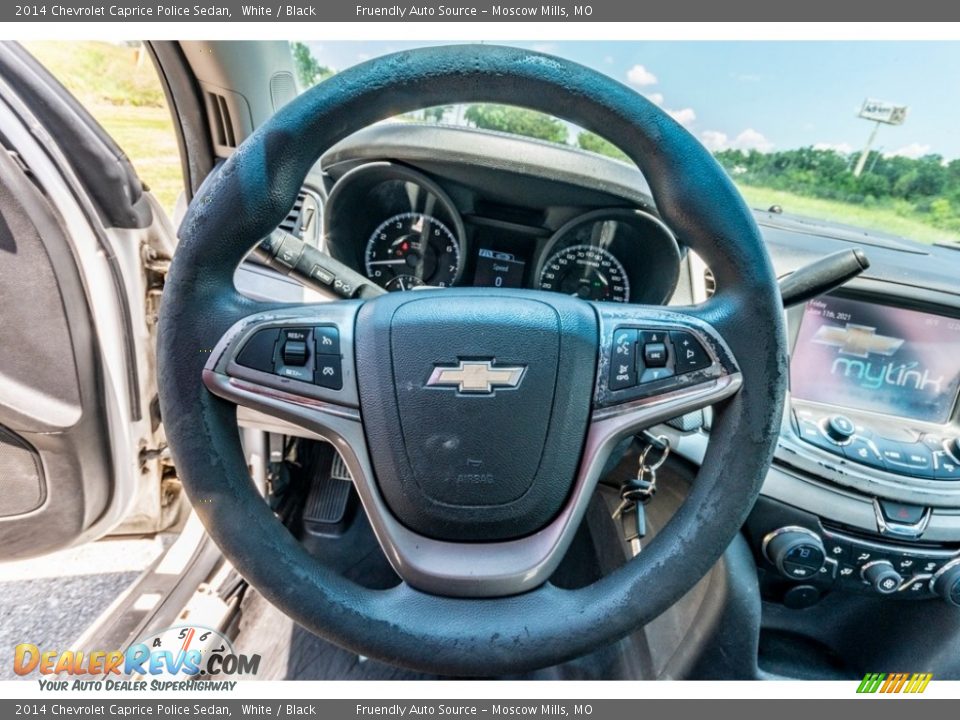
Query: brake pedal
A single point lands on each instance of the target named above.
(328, 501)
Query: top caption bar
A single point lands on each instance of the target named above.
(467, 11)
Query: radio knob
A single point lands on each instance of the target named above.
(946, 583)
(882, 576)
(839, 428)
(797, 552)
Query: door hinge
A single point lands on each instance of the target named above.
(156, 266)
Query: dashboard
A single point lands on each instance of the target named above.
(403, 229)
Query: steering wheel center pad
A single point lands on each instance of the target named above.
(475, 411)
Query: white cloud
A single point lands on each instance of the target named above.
(841, 147)
(685, 117)
(913, 150)
(749, 139)
(608, 60)
(655, 98)
(714, 140)
(639, 76)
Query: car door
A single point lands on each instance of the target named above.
(83, 253)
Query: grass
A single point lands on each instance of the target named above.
(884, 218)
(118, 85)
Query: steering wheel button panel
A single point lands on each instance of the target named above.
(327, 340)
(655, 354)
(329, 372)
(258, 352)
(623, 361)
(689, 353)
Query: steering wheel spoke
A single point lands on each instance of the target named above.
(656, 363)
(293, 364)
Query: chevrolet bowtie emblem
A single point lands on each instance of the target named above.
(857, 340)
(476, 376)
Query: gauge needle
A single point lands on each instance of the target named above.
(398, 261)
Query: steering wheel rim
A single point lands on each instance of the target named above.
(248, 197)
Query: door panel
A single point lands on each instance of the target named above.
(55, 475)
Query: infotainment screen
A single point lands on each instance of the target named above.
(877, 358)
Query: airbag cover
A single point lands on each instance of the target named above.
(459, 461)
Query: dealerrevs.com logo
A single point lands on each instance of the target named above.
(184, 657)
(893, 683)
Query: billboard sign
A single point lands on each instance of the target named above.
(880, 111)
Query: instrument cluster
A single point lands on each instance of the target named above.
(402, 230)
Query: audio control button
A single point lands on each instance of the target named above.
(839, 428)
(907, 458)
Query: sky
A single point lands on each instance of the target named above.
(769, 95)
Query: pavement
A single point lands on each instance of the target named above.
(50, 601)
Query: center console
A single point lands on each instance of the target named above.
(864, 494)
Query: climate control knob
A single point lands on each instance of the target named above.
(797, 552)
(946, 583)
(839, 428)
(882, 576)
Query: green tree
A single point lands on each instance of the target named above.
(594, 143)
(517, 121)
(309, 70)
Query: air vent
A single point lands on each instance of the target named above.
(709, 282)
(292, 223)
(220, 121)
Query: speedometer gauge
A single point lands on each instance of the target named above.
(412, 249)
(586, 271)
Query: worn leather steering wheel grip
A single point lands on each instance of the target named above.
(247, 198)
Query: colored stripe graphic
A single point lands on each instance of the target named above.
(892, 683)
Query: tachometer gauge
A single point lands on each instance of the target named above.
(412, 249)
(587, 272)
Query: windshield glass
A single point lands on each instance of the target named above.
(860, 133)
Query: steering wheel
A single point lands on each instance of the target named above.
(474, 422)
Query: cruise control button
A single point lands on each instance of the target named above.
(294, 372)
(327, 339)
(689, 354)
(257, 352)
(329, 372)
(296, 334)
(623, 359)
(294, 353)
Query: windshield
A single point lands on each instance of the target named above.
(861, 133)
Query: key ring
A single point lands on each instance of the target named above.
(664, 441)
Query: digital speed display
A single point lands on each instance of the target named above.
(498, 269)
(877, 358)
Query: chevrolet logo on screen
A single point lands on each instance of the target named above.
(476, 376)
(857, 340)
